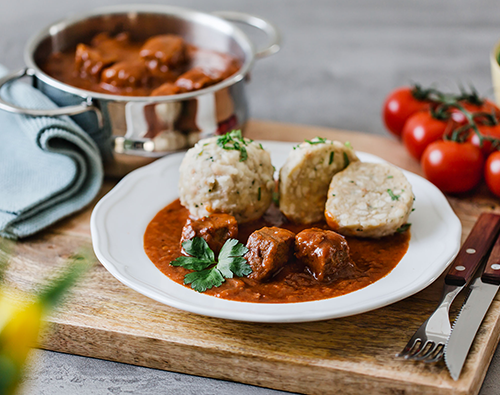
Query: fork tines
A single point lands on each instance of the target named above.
(425, 352)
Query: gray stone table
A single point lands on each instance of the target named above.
(339, 60)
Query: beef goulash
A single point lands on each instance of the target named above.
(215, 229)
(325, 253)
(247, 248)
(161, 65)
(269, 250)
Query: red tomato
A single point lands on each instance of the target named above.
(459, 117)
(453, 167)
(398, 106)
(420, 130)
(492, 172)
(489, 131)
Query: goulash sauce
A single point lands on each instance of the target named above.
(374, 259)
(161, 65)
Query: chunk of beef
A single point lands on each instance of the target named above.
(269, 250)
(325, 252)
(125, 74)
(106, 42)
(167, 88)
(212, 63)
(104, 50)
(196, 79)
(89, 61)
(167, 51)
(215, 229)
(119, 45)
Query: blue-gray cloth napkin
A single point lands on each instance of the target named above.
(49, 167)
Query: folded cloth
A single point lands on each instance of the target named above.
(49, 167)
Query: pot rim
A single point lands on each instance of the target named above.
(184, 13)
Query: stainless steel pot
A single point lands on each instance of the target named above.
(131, 131)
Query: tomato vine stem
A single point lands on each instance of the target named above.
(442, 106)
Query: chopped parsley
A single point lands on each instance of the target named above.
(234, 141)
(331, 157)
(392, 195)
(276, 198)
(390, 177)
(346, 160)
(209, 273)
(403, 228)
(348, 144)
(316, 140)
(259, 194)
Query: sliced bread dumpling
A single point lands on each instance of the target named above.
(368, 200)
(306, 175)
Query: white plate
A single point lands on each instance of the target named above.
(120, 219)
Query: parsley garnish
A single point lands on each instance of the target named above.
(234, 141)
(392, 195)
(348, 145)
(403, 228)
(231, 262)
(346, 159)
(276, 198)
(331, 158)
(318, 140)
(259, 194)
(390, 177)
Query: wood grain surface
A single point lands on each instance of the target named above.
(353, 355)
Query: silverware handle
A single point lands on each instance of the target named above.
(491, 272)
(85, 106)
(274, 37)
(475, 248)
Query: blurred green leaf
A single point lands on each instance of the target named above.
(53, 292)
(6, 248)
(21, 322)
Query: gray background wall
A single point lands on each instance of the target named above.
(339, 60)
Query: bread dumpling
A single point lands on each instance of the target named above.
(227, 174)
(306, 175)
(368, 200)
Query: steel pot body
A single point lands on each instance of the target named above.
(130, 131)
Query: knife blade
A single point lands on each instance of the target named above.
(482, 292)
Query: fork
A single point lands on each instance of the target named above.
(427, 344)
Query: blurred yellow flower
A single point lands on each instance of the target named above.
(21, 316)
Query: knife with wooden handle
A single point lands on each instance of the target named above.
(482, 292)
(474, 250)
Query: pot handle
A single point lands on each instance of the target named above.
(85, 106)
(267, 27)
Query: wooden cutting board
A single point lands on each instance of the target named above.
(353, 355)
